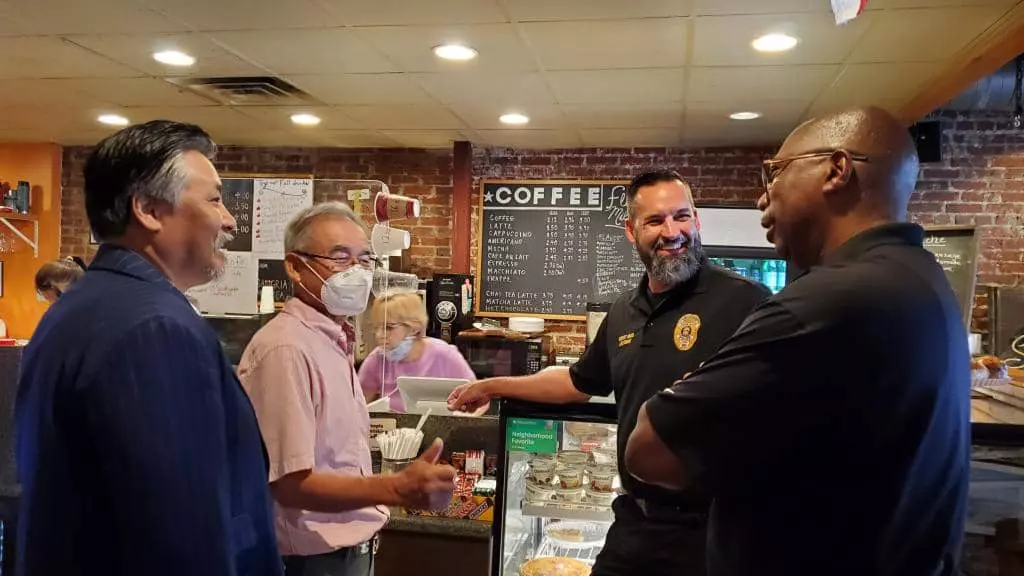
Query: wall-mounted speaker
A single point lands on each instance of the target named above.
(928, 138)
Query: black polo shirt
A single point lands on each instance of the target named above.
(834, 426)
(647, 342)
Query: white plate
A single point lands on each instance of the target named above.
(593, 534)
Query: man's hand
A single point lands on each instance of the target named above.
(470, 397)
(423, 484)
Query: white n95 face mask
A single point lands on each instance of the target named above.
(345, 293)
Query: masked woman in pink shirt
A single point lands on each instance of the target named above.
(400, 321)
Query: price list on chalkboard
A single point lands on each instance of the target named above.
(548, 248)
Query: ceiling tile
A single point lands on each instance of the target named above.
(22, 136)
(716, 114)
(923, 35)
(306, 51)
(134, 92)
(484, 115)
(887, 4)
(410, 47)
(204, 15)
(403, 12)
(619, 86)
(864, 84)
(741, 7)
(426, 117)
(279, 117)
(536, 139)
(425, 138)
(51, 94)
(79, 137)
(393, 88)
(749, 133)
(733, 83)
(214, 119)
(51, 57)
(545, 10)
(589, 45)
(137, 51)
(494, 87)
(725, 40)
(92, 17)
(624, 115)
(359, 139)
(631, 137)
(269, 138)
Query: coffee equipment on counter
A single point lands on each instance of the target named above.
(449, 305)
(596, 311)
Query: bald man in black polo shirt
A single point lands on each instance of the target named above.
(834, 425)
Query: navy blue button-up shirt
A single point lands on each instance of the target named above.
(138, 451)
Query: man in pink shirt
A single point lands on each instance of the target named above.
(298, 372)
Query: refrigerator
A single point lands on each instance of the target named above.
(542, 448)
(734, 239)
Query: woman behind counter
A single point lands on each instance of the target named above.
(400, 322)
(55, 277)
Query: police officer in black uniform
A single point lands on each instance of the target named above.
(834, 426)
(678, 315)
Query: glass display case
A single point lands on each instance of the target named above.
(557, 477)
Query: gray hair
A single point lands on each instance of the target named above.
(143, 161)
(297, 232)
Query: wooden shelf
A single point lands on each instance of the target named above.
(6, 219)
(16, 216)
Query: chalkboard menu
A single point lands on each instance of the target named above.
(272, 273)
(956, 249)
(236, 193)
(549, 247)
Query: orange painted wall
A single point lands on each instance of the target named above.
(40, 164)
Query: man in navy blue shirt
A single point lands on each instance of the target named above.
(834, 425)
(138, 451)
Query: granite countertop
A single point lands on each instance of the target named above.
(470, 529)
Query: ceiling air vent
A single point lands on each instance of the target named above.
(247, 90)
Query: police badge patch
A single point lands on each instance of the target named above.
(685, 334)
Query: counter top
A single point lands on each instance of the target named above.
(470, 529)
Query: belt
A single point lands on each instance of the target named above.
(371, 545)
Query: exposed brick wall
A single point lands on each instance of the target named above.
(423, 174)
(979, 182)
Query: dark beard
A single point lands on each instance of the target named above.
(673, 270)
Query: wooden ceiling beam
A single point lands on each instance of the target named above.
(1003, 42)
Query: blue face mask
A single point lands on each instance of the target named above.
(401, 350)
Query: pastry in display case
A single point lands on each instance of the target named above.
(557, 478)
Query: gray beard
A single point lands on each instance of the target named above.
(674, 270)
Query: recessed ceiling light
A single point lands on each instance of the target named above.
(174, 58)
(113, 120)
(745, 115)
(454, 52)
(774, 43)
(305, 119)
(513, 118)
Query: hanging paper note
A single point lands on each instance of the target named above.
(275, 201)
(846, 10)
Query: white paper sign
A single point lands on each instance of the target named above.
(235, 291)
(275, 201)
(379, 426)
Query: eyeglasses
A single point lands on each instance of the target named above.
(772, 168)
(344, 260)
(389, 327)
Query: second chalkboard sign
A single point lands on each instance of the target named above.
(272, 273)
(956, 249)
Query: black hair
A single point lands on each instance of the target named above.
(649, 179)
(141, 160)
